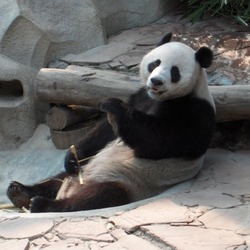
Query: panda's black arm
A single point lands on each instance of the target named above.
(183, 128)
(150, 138)
(144, 133)
(96, 139)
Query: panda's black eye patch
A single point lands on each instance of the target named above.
(175, 74)
(154, 65)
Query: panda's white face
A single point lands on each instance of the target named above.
(170, 71)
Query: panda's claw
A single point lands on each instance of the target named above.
(111, 105)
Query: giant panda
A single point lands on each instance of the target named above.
(140, 148)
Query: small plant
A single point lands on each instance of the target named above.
(237, 9)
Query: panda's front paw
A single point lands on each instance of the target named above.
(111, 105)
(115, 109)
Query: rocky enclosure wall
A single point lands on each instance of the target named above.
(33, 33)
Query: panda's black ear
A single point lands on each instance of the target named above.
(204, 56)
(165, 39)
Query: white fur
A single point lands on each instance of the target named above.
(193, 77)
(145, 178)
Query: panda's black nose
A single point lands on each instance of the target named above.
(156, 82)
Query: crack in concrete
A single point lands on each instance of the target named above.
(152, 239)
(235, 247)
(243, 198)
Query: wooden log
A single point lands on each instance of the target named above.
(59, 118)
(87, 86)
(232, 102)
(63, 139)
(83, 85)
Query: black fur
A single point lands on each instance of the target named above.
(94, 141)
(204, 57)
(175, 74)
(41, 197)
(21, 195)
(153, 65)
(180, 127)
(156, 82)
(90, 196)
(165, 39)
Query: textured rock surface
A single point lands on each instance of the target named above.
(125, 14)
(31, 35)
(14, 228)
(33, 159)
(35, 33)
(38, 32)
(17, 105)
(230, 44)
(209, 212)
(195, 238)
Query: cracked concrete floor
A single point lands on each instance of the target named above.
(211, 211)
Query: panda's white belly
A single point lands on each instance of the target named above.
(144, 178)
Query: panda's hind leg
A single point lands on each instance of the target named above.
(89, 196)
(21, 195)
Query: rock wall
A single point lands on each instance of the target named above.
(17, 104)
(34, 33)
(117, 15)
(40, 31)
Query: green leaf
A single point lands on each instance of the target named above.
(195, 16)
(237, 9)
(241, 20)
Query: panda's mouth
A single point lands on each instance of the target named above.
(155, 90)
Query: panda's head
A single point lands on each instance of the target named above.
(173, 69)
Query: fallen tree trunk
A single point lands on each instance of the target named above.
(87, 86)
(82, 85)
(59, 118)
(232, 102)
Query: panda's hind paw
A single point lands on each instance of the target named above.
(39, 204)
(19, 194)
